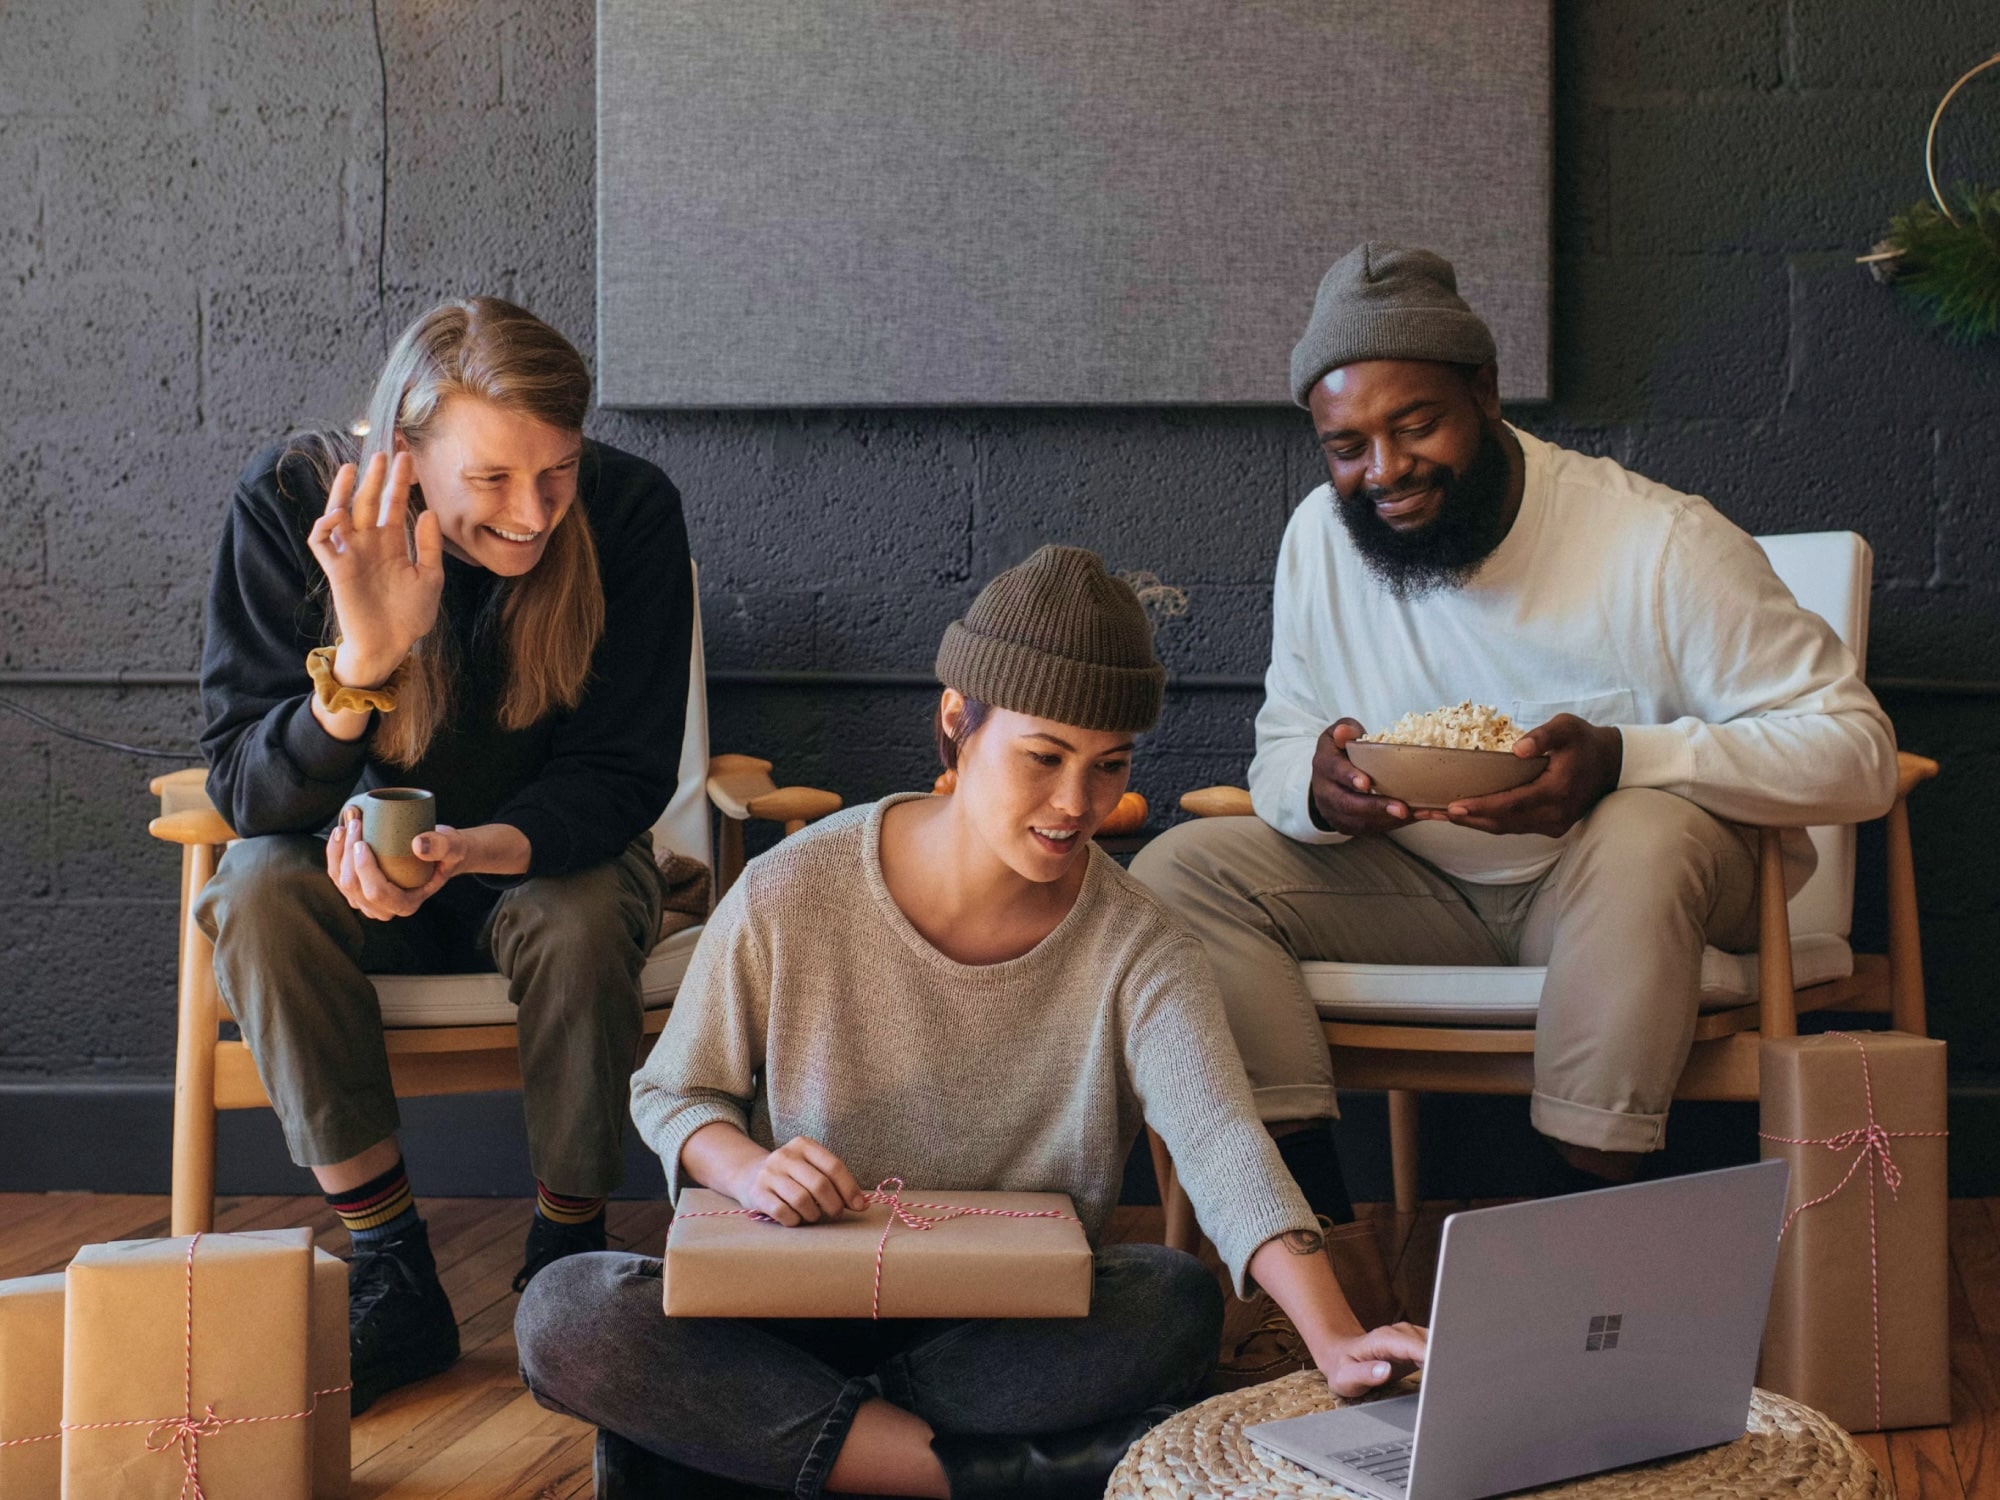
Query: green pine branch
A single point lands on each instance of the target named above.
(1950, 270)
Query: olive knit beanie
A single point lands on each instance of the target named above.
(1059, 638)
(1387, 302)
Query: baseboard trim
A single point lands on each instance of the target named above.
(116, 1137)
(113, 1136)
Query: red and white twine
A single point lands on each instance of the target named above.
(182, 1433)
(889, 1192)
(1874, 1151)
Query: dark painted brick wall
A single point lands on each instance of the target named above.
(190, 263)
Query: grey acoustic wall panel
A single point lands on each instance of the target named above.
(856, 202)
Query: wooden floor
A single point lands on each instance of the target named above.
(474, 1432)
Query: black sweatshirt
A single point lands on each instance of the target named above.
(581, 785)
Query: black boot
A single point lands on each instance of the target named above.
(1314, 1162)
(400, 1326)
(549, 1242)
(1565, 1178)
(622, 1470)
(1071, 1465)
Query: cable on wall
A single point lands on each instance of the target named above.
(95, 739)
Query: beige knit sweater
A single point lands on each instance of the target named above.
(813, 1007)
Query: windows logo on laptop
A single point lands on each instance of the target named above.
(1603, 1332)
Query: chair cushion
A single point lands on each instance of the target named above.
(411, 1000)
(1448, 995)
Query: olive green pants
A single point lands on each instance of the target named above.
(292, 959)
(1644, 883)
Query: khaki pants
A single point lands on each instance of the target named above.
(292, 959)
(1621, 919)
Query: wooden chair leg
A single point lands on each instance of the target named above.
(728, 854)
(194, 1060)
(1777, 1002)
(1906, 946)
(1163, 1164)
(1403, 1156)
(1182, 1232)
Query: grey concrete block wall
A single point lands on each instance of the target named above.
(191, 262)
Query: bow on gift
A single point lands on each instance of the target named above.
(889, 1192)
(182, 1434)
(1870, 1144)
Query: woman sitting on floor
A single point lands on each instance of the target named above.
(476, 600)
(964, 992)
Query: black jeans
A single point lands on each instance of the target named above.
(768, 1403)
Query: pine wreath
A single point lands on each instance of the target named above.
(1948, 263)
(1951, 267)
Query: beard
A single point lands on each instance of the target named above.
(1471, 522)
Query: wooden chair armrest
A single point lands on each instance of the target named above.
(795, 804)
(195, 777)
(735, 781)
(741, 788)
(196, 826)
(1218, 802)
(1912, 771)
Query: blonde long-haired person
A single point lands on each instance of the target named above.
(961, 991)
(479, 601)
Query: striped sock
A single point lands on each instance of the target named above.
(379, 1209)
(561, 1208)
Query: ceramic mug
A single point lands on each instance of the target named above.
(390, 817)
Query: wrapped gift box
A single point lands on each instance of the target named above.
(31, 1384)
(326, 1369)
(31, 1361)
(1858, 1324)
(722, 1263)
(144, 1362)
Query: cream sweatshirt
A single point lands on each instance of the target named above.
(813, 1007)
(1612, 598)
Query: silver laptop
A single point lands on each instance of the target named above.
(1569, 1336)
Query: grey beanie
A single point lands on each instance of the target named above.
(1059, 638)
(1387, 302)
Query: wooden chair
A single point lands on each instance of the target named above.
(1409, 1029)
(450, 1033)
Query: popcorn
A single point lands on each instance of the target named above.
(1469, 726)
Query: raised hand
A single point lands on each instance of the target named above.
(1343, 798)
(385, 591)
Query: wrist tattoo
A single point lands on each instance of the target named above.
(1303, 1241)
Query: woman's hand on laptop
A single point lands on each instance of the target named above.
(1357, 1365)
(1295, 1270)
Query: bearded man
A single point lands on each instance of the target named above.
(1677, 689)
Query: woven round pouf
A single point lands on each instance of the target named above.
(1789, 1450)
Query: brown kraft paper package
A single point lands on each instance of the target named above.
(126, 1346)
(971, 1267)
(31, 1361)
(1821, 1341)
(31, 1383)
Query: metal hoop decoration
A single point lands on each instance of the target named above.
(1930, 137)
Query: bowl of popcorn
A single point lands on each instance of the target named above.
(1448, 755)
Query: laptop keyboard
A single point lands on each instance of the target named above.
(1388, 1462)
